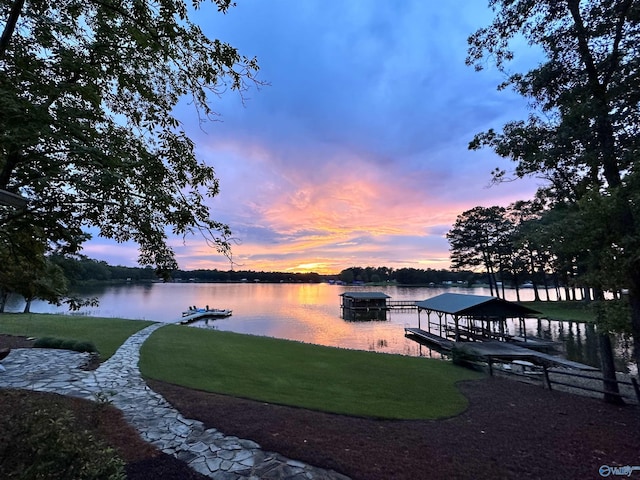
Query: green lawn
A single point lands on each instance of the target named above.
(107, 334)
(270, 370)
(564, 311)
(309, 376)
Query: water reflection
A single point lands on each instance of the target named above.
(311, 313)
(579, 341)
(351, 315)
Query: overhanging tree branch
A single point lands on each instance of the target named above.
(10, 26)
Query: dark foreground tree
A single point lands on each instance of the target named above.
(87, 129)
(481, 237)
(583, 134)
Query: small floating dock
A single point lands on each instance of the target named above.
(192, 315)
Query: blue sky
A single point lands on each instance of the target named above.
(355, 153)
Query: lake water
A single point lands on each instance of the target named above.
(311, 313)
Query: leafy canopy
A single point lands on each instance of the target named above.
(583, 134)
(87, 130)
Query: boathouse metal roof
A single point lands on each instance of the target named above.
(474, 305)
(365, 295)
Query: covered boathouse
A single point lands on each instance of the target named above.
(364, 305)
(471, 317)
(475, 325)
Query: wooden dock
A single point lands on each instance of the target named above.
(493, 350)
(422, 335)
(401, 304)
(185, 320)
(508, 351)
(534, 343)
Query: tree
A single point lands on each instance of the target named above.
(583, 132)
(28, 272)
(87, 129)
(482, 237)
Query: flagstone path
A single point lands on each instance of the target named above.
(118, 381)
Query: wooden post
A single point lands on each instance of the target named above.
(636, 388)
(418, 317)
(456, 319)
(546, 376)
(490, 366)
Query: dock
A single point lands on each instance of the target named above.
(402, 304)
(421, 335)
(493, 350)
(534, 343)
(198, 315)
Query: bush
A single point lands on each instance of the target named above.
(85, 347)
(67, 344)
(43, 441)
(48, 342)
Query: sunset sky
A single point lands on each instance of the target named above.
(356, 152)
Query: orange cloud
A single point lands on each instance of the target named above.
(325, 214)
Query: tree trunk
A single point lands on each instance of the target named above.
(634, 302)
(536, 294)
(10, 26)
(608, 370)
(3, 300)
(27, 305)
(545, 283)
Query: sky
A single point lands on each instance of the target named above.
(355, 153)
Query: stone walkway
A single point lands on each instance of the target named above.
(119, 382)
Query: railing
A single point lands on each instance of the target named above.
(633, 383)
(402, 304)
(544, 375)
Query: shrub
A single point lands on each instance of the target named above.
(44, 441)
(85, 347)
(48, 342)
(67, 344)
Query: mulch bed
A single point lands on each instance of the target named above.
(510, 430)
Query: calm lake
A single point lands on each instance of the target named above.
(311, 313)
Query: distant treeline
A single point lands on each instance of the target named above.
(409, 276)
(244, 276)
(85, 270)
(81, 270)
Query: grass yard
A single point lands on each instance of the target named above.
(107, 334)
(564, 311)
(309, 376)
